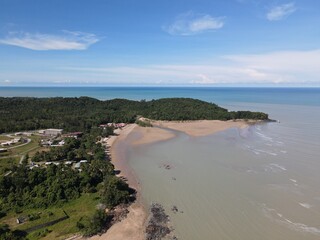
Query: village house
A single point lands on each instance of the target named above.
(73, 135)
(114, 125)
(3, 150)
(11, 142)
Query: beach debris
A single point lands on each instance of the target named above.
(166, 166)
(157, 227)
(174, 209)
(119, 213)
(173, 178)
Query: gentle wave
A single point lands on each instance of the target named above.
(276, 216)
(306, 205)
(274, 167)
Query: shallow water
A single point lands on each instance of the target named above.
(256, 183)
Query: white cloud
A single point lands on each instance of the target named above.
(288, 67)
(279, 12)
(190, 24)
(284, 67)
(68, 40)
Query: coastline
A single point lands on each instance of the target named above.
(133, 226)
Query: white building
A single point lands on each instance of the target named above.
(52, 132)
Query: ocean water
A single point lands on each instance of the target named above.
(220, 95)
(261, 182)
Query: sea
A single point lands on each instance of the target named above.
(261, 182)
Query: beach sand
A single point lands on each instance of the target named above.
(151, 135)
(201, 127)
(133, 226)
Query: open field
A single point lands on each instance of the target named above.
(28, 147)
(4, 138)
(84, 206)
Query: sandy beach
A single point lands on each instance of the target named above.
(133, 226)
(148, 135)
(201, 127)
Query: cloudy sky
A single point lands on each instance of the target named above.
(165, 42)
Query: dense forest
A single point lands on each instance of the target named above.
(81, 114)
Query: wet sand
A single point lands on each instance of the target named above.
(201, 127)
(148, 135)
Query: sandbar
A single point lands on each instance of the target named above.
(201, 127)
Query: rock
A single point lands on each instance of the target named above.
(174, 209)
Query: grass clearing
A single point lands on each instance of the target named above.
(83, 206)
(34, 144)
(4, 138)
(6, 163)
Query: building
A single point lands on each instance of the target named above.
(3, 150)
(52, 132)
(78, 164)
(11, 142)
(114, 125)
(73, 135)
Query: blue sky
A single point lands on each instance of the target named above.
(167, 42)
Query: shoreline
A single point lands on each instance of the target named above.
(133, 226)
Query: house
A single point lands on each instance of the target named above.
(73, 135)
(114, 125)
(28, 134)
(52, 132)
(3, 150)
(13, 141)
(46, 143)
(33, 166)
(16, 140)
(78, 164)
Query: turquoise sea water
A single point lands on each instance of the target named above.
(256, 183)
(291, 96)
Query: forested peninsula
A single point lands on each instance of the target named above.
(81, 114)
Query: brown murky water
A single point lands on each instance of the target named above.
(257, 183)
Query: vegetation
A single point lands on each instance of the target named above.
(81, 114)
(92, 225)
(57, 185)
(7, 234)
(143, 123)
